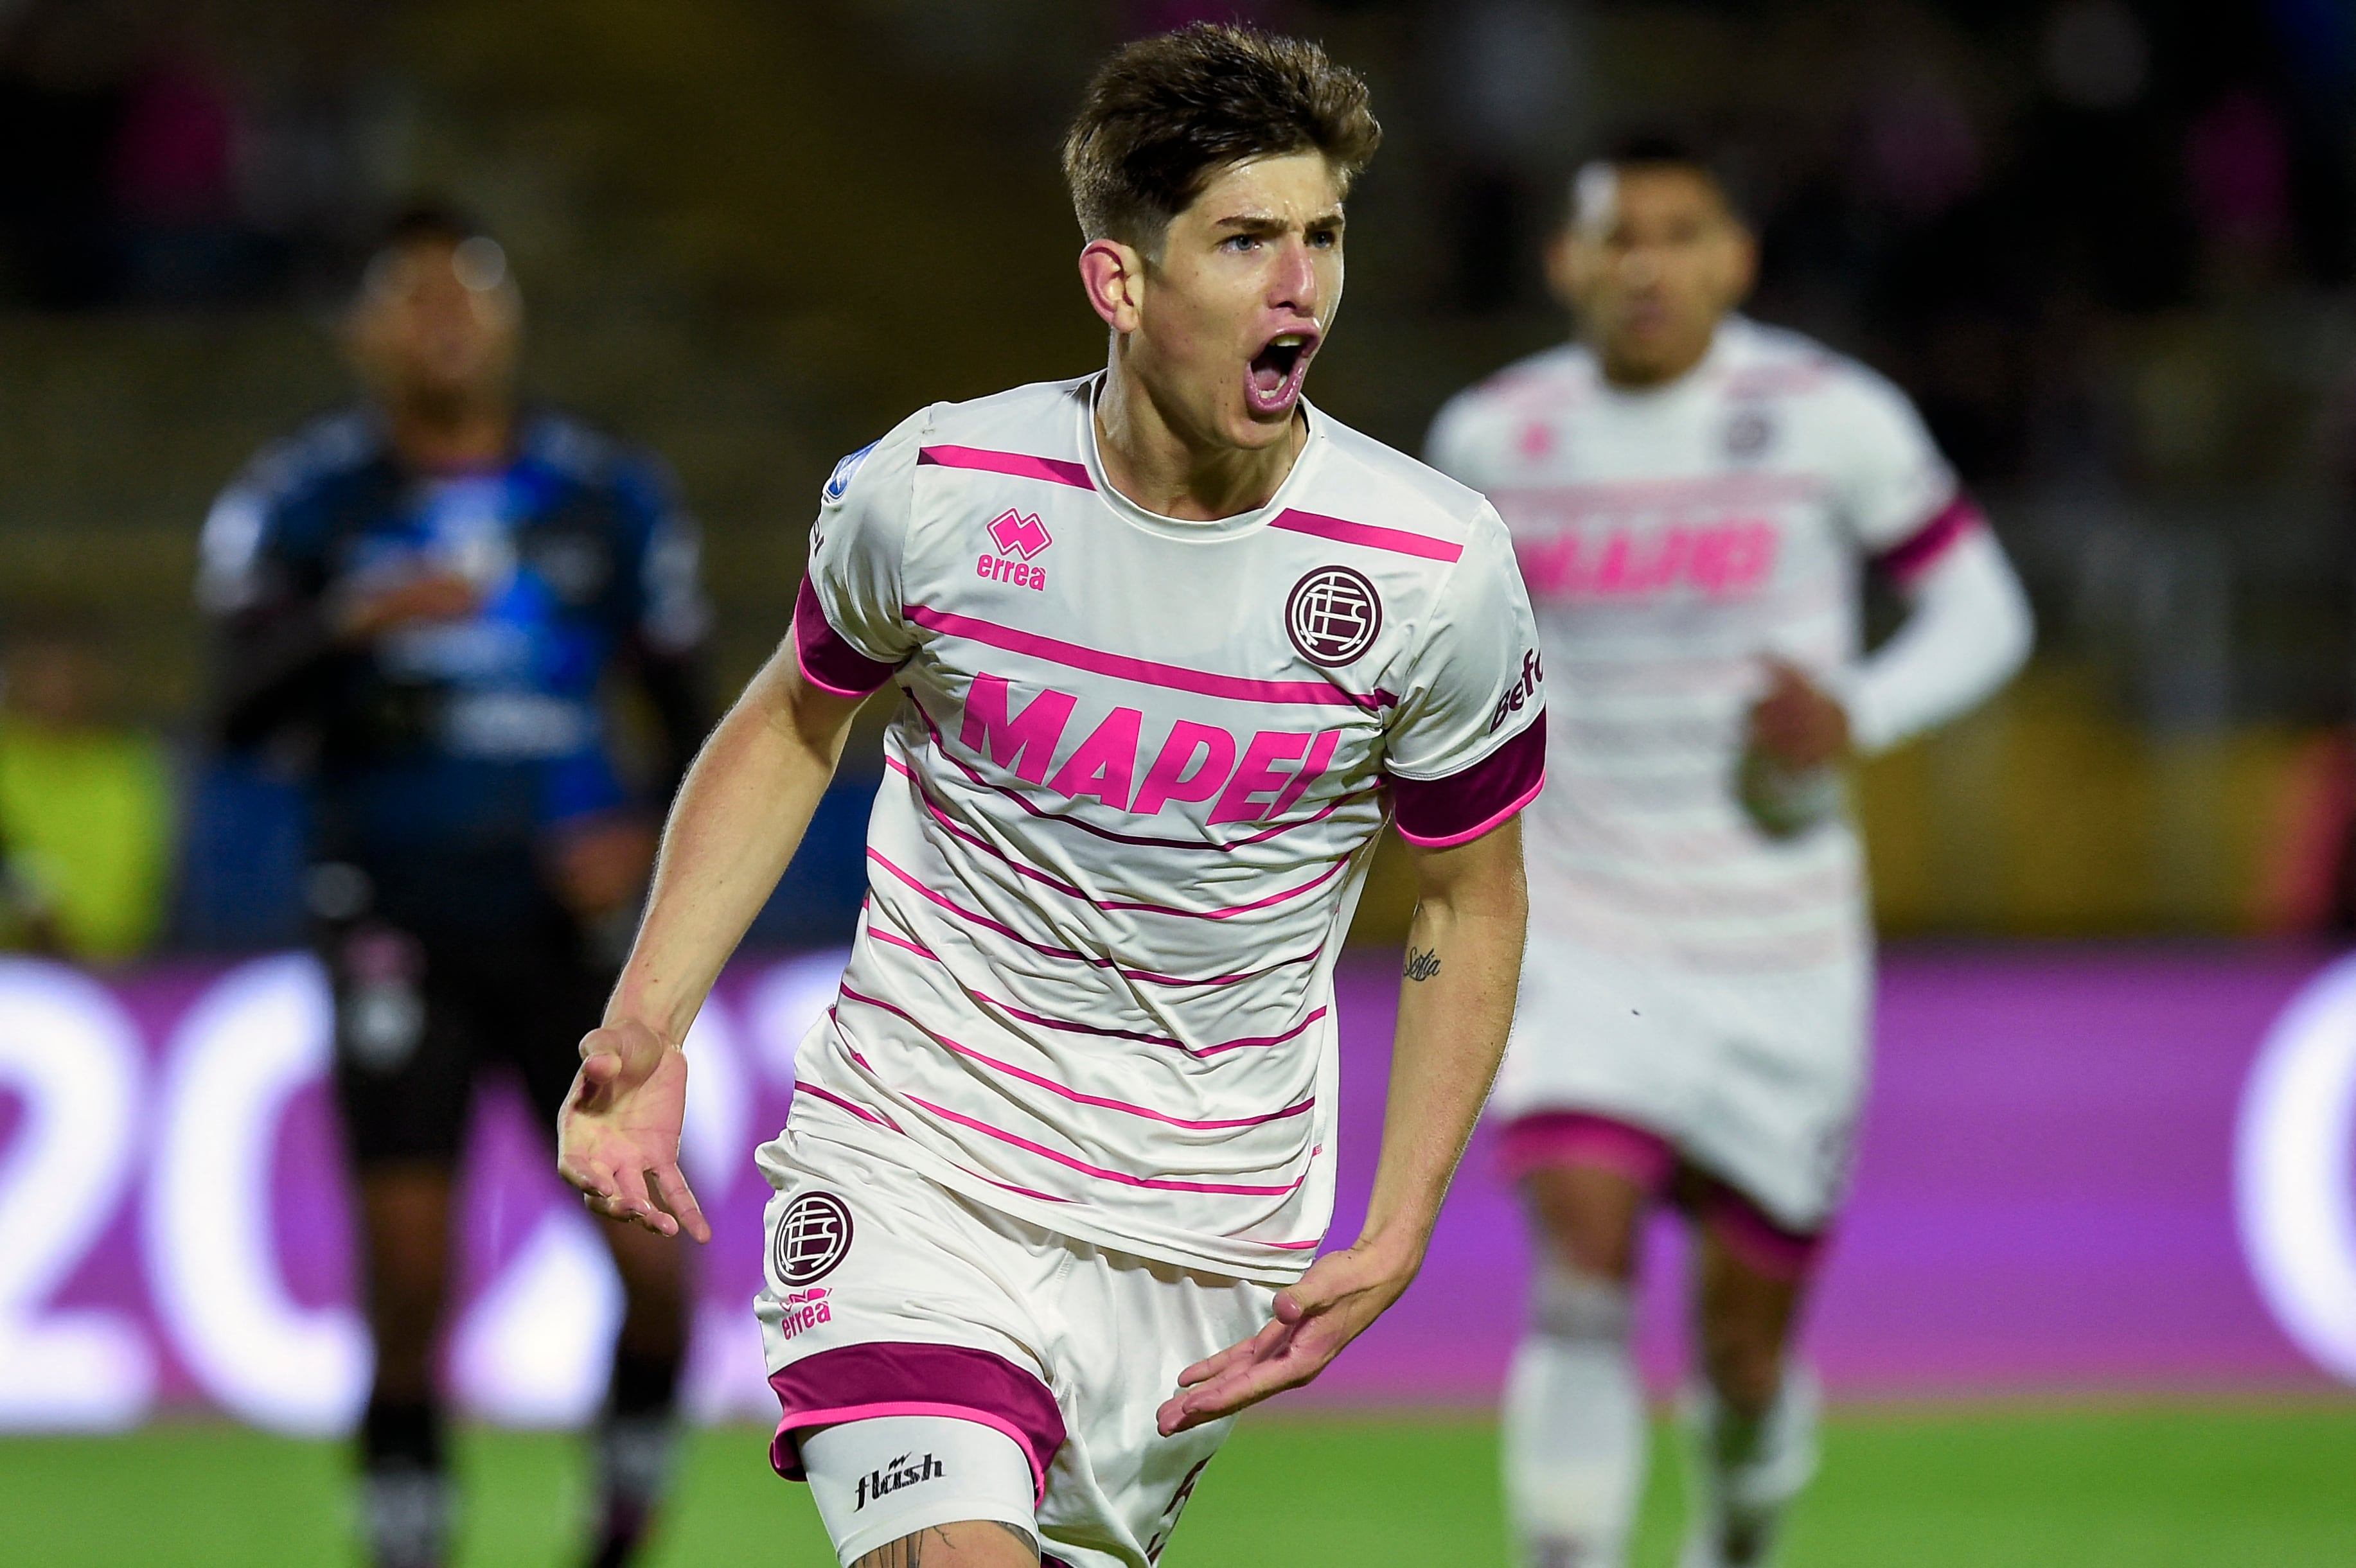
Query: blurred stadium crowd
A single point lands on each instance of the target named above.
(2107, 247)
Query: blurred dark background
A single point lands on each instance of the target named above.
(2109, 247)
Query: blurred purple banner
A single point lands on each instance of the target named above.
(2046, 1198)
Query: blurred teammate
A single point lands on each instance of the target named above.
(430, 591)
(1691, 497)
(1170, 646)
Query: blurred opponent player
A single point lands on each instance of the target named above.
(427, 594)
(1692, 496)
(1170, 646)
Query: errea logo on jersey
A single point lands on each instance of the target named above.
(1016, 534)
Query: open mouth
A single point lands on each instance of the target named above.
(1272, 381)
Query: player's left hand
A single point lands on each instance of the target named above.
(1797, 722)
(617, 1136)
(1315, 1317)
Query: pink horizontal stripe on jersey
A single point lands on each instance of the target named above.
(1146, 672)
(841, 1104)
(1066, 1091)
(940, 748)
(1695, 490)
(1396, 540)
(1055, 470)
(967, 836)
(902, 942)
(1157, 1183)
(1068, 1026)
(1002, 928)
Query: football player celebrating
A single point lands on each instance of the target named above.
(1691, 497)
(1170, 647)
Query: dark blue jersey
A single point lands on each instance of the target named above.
(470, 737)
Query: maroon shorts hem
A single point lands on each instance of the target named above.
(858, 1382)
(1652, 1162)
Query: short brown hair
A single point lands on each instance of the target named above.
(1165, 113)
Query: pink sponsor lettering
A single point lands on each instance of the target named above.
(1254, 776)
(1026, 742)
(1034, 578)
(1313, 768)
(1720, 559)
(1103, 764)
(1192, 762)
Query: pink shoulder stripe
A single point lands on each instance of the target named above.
(1157, 1183)
(1398, 541)
(1148, 672)
(1066, 1091)
(1053, 469)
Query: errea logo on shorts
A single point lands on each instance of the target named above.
(813, 1236)
(1011, 535)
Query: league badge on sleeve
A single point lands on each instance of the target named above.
(838, 483)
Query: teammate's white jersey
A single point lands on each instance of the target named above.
(1133, 788)
(1672, 540)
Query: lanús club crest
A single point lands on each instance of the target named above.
(813, 1236)
(1332, 615)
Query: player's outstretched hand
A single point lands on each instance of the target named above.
(617, 1136)
(1316, 1316)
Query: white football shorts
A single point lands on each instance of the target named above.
(1755, 1079)
(887, 1296)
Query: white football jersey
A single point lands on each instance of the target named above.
(1133, 788)
(1673, 538)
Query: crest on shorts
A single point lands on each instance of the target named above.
(813, 1236)
(1332, 615)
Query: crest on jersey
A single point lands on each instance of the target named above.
(1018, 533)
(1332, 615)
(813, 1236)
(1747, 433)
(838, 483)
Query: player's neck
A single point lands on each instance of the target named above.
(435, 436)
(1156, 463)
(1650, 374)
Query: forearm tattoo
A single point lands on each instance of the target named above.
(1421, 965)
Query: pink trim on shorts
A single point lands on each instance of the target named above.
(1145, 672)
(1053, 469)
(1396, 540)
(857, 1382)
(1584, 1137)
(1759, 1241)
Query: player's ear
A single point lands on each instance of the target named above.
(1114, 276)
(1561, 261)
(1741, 264)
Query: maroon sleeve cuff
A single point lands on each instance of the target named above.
(855, 1382)
(1914, 555)
(1438, 813)
(827, 661)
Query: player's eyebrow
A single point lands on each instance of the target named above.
(1264, 225)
